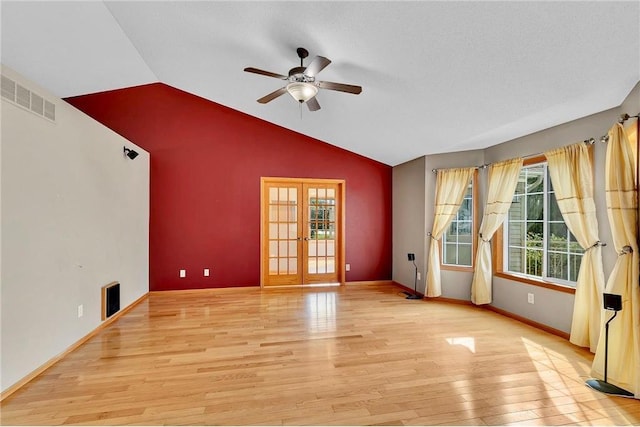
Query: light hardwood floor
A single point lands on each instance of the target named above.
(353, 355)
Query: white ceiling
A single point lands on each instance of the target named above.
(436, 76)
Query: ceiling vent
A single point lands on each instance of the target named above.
(23, 97)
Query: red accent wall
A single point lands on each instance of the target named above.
(206, 164)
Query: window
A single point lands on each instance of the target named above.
(538, 243)
(458, 240)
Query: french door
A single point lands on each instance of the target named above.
(302, 231)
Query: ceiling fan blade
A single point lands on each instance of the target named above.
(265, 73)
(340, 87)
(273, 95)
(317, 65)
(313, 104)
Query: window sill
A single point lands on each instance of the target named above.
(456, 268)
(534, 282)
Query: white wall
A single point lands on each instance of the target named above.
(75, 216)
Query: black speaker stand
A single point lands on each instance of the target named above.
(602, 385)
(415, 285)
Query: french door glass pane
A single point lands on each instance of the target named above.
(283, 230)
(331, 265)
(311, 265)
(321, 228)
(283, 248)
(331, 247)
(293, 231)
(322, 248)
(283, 266)
(322, 265)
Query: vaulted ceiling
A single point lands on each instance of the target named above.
(436, 76)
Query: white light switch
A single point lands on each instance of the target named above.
(347, 267)
(206, 272)
(183, 273)
(80, 310)
(418, 275)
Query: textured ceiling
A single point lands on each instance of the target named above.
(436, 76)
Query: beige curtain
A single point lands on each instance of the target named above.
(503, 178)
(622, 209)
(571, 171)
(451, 185)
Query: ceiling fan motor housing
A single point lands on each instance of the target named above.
(296, 74)
(302, 84)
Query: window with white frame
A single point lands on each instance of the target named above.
(457, 241)
(537, 242)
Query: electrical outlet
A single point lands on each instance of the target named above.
(183, 273)
(347, 267)
(80, 310)
(418, 275)
(206, 272)
(530, 298)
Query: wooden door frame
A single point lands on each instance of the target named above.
(341, 214)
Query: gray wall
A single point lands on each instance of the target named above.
(455, 284)
(551, 308)
(409, 222)
(631, 106)
(75, 215)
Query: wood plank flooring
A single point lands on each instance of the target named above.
(354, 355)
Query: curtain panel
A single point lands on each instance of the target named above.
(571, 171)
(622, 209)
(451, 184)
(503, 178)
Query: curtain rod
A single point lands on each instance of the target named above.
(475, 167)
(623, 118)
(486, 165)
(605, 138)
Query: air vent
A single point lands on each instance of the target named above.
(23, 97)
(49, 110)
(37, 104)
(8, 89)
(110, 299)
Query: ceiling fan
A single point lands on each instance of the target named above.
(303, 86)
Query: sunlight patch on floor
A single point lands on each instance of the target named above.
(468, 342)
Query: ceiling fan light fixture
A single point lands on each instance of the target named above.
(301, 91)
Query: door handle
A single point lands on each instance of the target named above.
(299, 238)
(306, 239)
